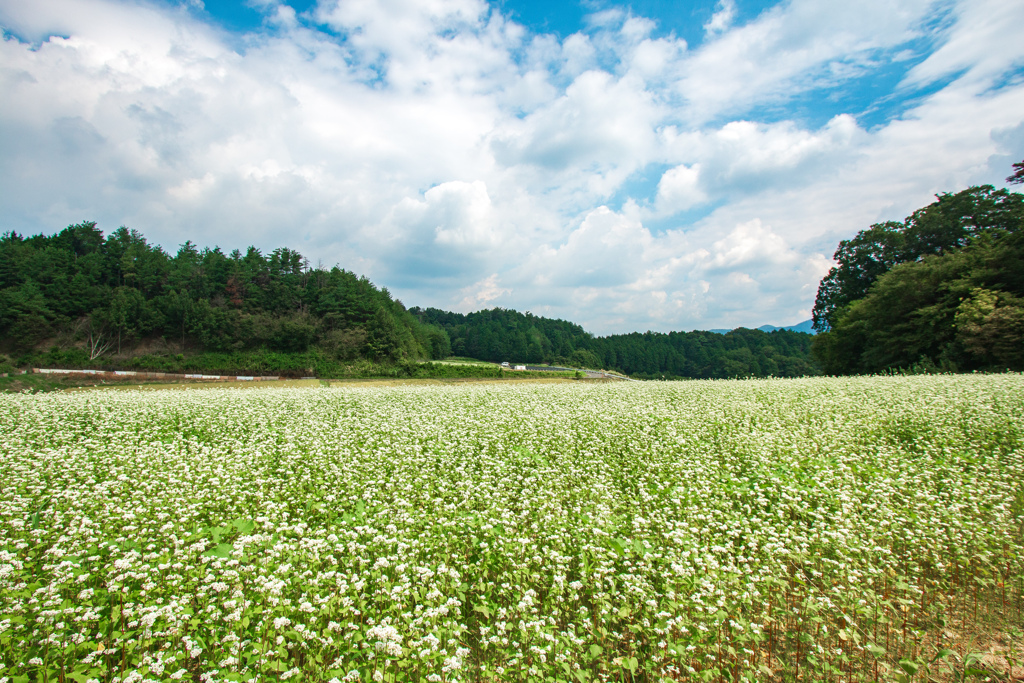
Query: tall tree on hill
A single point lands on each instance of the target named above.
(124, 313)
(382, 338)
(953, 299)
(25, 316)
(959, 311)
(947, 224)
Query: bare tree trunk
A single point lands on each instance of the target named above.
(97, 347)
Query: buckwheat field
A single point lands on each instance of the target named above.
(817, 529)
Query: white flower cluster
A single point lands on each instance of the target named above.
(386, 639)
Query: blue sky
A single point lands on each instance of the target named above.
(654, 165)
(683, 19)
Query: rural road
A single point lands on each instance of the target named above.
(590, 374)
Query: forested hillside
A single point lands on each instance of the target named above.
(79, 297)
(943, 290)
(706, 355)
(109, 295)
(499, 335)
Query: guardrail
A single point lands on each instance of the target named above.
(122, 374)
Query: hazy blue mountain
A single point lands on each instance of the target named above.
(806, 326)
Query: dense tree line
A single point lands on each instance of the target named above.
(708, 355)
(111, 293)
(503, 335)
(943, 290)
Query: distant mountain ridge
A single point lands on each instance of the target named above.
(806, 326)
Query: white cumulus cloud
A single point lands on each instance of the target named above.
(618, 177)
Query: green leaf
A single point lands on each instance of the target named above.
(244, 526)
(596, 650)
(709, 674)
(909, 666)
(972, 659)
(222, 550)
(876, 650)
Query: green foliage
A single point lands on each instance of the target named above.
(251, 362)
(499, 335)
(958, 311)
(948, 224)
(990, 326)
(25, 317)
(1018, 174)
(112, 294)
(382, 338)
(343, 345)
(941, 292)
(707, 355)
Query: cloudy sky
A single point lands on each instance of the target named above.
(656, 165)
